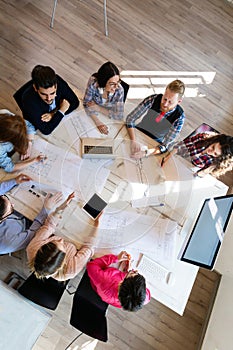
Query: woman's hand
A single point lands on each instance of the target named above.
(40, 158)
(103, 129)
(22, 178)
(66, 202)
(123, 256)
(28, 152)
(52, 200)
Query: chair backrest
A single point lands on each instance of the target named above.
(19, 93)
(125, 87)
(45, 292)
(89, 311)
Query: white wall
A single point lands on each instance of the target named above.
(219, 335)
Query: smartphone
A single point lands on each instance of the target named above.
(94, 206)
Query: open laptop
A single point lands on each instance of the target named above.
(202, 245)
(97, 148)
(203, 128)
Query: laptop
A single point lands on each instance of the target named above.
(97, 148)
(202, 129)
(202, 245)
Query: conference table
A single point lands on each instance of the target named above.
(150, 210)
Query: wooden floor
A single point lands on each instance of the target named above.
(186, 39)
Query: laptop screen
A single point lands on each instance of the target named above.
(203, 244)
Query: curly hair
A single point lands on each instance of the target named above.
(223, 163)
(105, 72)
(132, 293)
(48, 261)
(13, 129)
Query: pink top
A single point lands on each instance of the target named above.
(105, 279)
(75, 259)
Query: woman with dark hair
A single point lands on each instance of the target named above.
(212, 153)
(50, 255)
(14, 138)
(116, 283)
(104, 94)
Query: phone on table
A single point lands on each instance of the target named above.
(94, 206)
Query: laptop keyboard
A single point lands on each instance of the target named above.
(98, 149)
(151, 270)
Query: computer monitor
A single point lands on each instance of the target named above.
(202, 245)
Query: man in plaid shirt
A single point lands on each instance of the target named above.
(163, 118)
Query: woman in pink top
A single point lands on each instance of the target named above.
(51, 256)
(123, 289)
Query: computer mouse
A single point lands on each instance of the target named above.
(170, 280)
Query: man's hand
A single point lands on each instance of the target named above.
(22, 178)
(135, 147)
(52, 200)
(64, 106)
(46, 117)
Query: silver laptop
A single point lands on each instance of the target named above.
(202, 244)
(97, 148)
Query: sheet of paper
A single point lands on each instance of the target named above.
(33, 194)
(159, 243)
(66, 171)
(79, 125)
(117, 227)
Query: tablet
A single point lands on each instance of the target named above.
(94, 206)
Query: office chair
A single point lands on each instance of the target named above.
(126, 88)
(88, 313)
(19, 93)
(45, 292)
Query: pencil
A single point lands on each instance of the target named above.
(162, 162)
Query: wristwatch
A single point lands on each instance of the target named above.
(162, 148)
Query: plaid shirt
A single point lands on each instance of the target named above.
(143, 107)
(190, 148)
(115, 102)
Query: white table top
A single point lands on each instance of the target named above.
(119, 182)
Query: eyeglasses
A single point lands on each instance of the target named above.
(11, 212)
(115, 84)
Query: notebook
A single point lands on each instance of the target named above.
(97, 148)
(202, 245)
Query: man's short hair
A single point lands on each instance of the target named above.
(132, 293)
(177, 86)
(43, 77)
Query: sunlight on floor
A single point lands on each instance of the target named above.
(145, 83)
